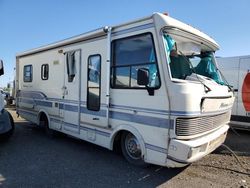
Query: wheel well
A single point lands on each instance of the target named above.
(43, 119)
(117, 140)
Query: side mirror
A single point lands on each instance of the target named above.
(143, 77)
(1, 68)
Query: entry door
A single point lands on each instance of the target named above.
(71, 91)
(94, 85)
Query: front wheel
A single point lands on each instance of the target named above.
(131, 149)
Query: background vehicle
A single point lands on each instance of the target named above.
(6, 120)
(237, 71)
(139, 85)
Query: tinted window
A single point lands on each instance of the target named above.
(27, 73)
(130, 54)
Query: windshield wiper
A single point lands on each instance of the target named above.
(207, 89)
(224, 79)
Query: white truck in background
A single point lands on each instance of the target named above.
(143, 86)
(237, 72)
(6, 120)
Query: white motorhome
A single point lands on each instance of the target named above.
(139, 85)
(6, 120)
(237, 71)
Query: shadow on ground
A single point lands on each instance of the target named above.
(238, 141)
(31, 159)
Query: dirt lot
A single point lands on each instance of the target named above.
(30, 159)
(219, 169)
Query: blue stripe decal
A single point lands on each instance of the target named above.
(133, 29)
(43, 103)
(101, 113)
(149, 110)
(152, 121)
(106, 134)
(31, 94)
(96, 131)
(103, 133)
(83, 102)
(83, 110)
(71, 108)
(156, 148)
(155, 111)
(28, 101)
(70, 125)
(26, 112)
(163, 112)
(61, 106)
(55, 120)
(87, 129)
(36, 102)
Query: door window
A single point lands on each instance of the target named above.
(71, 65)
(94, 82)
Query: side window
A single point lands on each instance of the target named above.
(45, 72)
(129, 55)
(71, 65)
(94, 82)
(27, 73)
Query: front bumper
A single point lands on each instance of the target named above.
(188, 151)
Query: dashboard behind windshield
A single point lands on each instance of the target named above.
(186, 57)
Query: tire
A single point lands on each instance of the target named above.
(131, 149)
(45, 123)
(7, 135)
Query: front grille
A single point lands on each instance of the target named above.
(198, 125)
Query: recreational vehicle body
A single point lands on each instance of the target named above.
(237, 71)
(141, 85)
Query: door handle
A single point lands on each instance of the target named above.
(96, 119)
(65, 91)
(64, 87)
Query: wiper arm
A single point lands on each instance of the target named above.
(207, 89)
(224, 79)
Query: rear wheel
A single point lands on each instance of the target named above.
(131, 149)
(45, 123)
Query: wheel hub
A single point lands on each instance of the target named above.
(133, 147)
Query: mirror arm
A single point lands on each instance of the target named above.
(151, 91)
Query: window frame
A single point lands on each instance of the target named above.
(42, 71)
(112, 66)
(31, 73)
(100, 81)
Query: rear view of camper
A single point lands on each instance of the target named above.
(237, 72)
(143, 86)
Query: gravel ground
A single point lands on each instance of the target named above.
(30, 159)
(221, 168)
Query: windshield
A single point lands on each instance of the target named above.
(187, 57)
